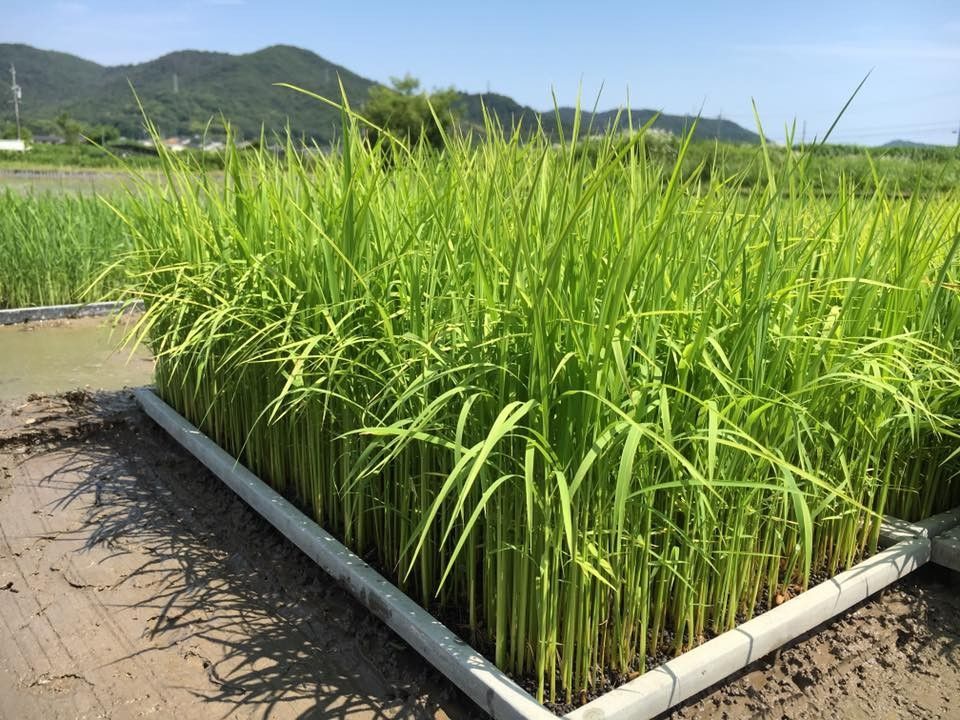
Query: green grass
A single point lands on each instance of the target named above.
(54, 249)
(588, 412)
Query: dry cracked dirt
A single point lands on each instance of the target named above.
(134, 584)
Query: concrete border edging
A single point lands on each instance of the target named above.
(893, 530)
(946, 549)
(486, 685)
(937, 524)
(13, 316)
(654, 692)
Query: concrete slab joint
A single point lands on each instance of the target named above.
(943, 530)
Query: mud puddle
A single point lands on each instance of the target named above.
(59, 355)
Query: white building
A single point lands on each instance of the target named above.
(12, 146)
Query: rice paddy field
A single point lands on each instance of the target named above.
(588, 408)
(57, 249)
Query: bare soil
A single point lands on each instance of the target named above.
(894, 656)
(134, 584)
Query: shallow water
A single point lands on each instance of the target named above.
(55, 356)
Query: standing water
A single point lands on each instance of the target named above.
(59, 355)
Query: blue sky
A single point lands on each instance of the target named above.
(799, 61)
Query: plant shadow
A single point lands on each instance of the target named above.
(273, 634)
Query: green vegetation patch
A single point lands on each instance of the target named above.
(56, 249)
(588, 411)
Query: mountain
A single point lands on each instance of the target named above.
(906, 144)
(509, 111)
(182, 91)
(710, 128)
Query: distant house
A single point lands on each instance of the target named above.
(13, 146)
(176, 144)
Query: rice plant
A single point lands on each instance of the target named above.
(588, 414)
(57, 249)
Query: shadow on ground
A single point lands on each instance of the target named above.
(222, 589)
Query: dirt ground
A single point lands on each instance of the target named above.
(134, 584)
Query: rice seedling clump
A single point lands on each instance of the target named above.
(588, 413)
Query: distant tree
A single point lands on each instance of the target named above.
(44, 126)
(405, 111)
(69, 128)
(8, 131)
(101, 134)
(407, 85)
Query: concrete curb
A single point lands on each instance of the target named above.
(488, 686)
(946, 549)
(937, 524)
(59, 312)
(894, 530)
(652, 693)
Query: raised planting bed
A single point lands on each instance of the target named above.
(490, 688)
(588, 418)
(648, 695)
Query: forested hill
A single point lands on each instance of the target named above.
(181, 92)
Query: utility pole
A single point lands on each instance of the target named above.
(17, 94)
(957, 131)
(176, 84)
